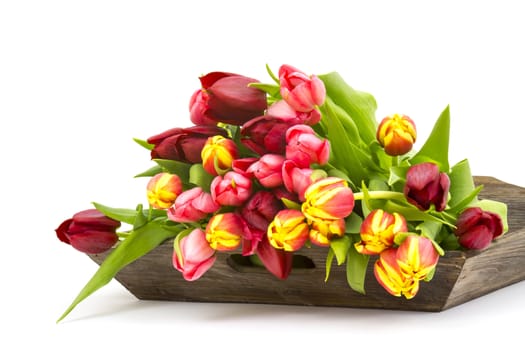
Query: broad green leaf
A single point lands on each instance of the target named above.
(435, 148)
(340, 248)
(138, 243)
(127, 216)
(353, 223)
(200, 177)
(360, 106)
(429, 229)
(289, 204)
(461, 185)
(175, 167)
(356, 265)
(157, 169)
(270, 89)
(144, 144)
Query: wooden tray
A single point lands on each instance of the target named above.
(460, 276)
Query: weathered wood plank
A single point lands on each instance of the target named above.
(460, 276)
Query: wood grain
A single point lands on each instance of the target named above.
(460, 276)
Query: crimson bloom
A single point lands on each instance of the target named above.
(477, 228)
(266, 134)
(194, 255)
(183, 144)
(227, 98)
(426, 186)
(89, 231)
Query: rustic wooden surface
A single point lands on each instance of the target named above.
(460, 276)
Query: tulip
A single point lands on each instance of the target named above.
(378, 231)
(224, 231)
(302, 92)
(426, 186)
(194, 255)
(389, 275)
(297, 179)
(265, 134)
(477, 228)
(192, 205)
(323, 231)
(231, 190)
(288, 230)
(284, 111)
(162, 190)
(183, 144)
(328, 199)
(397, 134)
(89, 231)
(417, 257)
(268, 170)
(241, 165)
(229, 99)
(277, 261)
(304, 147)
(199, 109)
(218, 154)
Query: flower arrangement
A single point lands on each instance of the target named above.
(269, 169)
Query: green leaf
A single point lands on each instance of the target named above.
(356, 265)
(289, 204)
(340, 248)
(138, 243)
(462, 185)
(429, 229)
(200, 177)
(144, 144)
(175, 167)
(329, 258)
(157, 169)
(435, 148)
(270, 73)
(270, 89)
(128, 216)
(353, 223)
(360, 106)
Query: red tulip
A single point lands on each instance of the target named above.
(477, 228)
(265, 134)
(426, 186)
(89, 231)
(277, 261)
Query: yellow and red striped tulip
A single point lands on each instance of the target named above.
(378, 231)
(218, 154)
(417, 257)
(224, 231)
(389, 275)
(329, 198)
(288, 230)
(397, 134)
(322, 231)
(162, 190)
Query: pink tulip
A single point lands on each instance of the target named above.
(199, 109)
(302, 92)
(268, 170)
(304, 147)
(232, 189)
(192, 205)
(297, 179)
(284, 111)
(477, 228)
(195, 255)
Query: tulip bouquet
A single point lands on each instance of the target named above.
(269, 169)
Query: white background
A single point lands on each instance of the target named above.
(80, 79)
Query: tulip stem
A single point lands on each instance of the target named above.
(379, 195)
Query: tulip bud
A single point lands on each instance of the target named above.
(322, 231)
(328, 199)
(297, 179)
(260, 209)
(288, 230)
(397, 134)
(305, 148)
(265, 134)
(230, 99)
(268, 170)
(192, 205)
(183, 145)
(284, 111)
(477, 228)
(224, 232)
(231, 190)
(426, 186)
(199, 109)
(378, 231)
(163, 189)
(417, 257)
(389, 275)
(218, 154)
(302, 92)
(89, 231)
(194, 255)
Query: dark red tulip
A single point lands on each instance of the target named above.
(277, 261)
(476, 228)
(89, 231)
(183, 144)
(425, 186)
(229, 99)
(266, 134)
